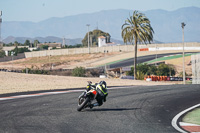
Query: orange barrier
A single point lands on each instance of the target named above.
(157, 78)
(144, 49)
(165, 78)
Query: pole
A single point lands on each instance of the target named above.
(105, 63)
(63, 44)
(183, 54)
(156, 56)
(88, 38)
(1, 44)
(91, 40)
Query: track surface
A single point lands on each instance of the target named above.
(138, 109)
(141, 59)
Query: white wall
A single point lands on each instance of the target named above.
(101, 42)
(175, 46)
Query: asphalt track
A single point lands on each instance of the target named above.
(141, 59)
(137, 109)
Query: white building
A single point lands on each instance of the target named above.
(102, 42)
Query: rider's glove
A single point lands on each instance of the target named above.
(88, 88)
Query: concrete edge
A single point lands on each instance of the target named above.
(175, 123)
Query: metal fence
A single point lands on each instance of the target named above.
(195, 59)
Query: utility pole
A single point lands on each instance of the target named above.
(91, 40)
(1, 44)
(183, 25)
(156, 55)
(88, 38)
(63, 44)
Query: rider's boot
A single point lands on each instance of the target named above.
(94, 105)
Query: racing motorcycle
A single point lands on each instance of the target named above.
(86, 98)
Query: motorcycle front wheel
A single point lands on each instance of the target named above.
(82, 103)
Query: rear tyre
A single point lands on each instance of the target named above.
(82, 104)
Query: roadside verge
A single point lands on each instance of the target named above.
(180, 126)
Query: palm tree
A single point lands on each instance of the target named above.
(137, 28)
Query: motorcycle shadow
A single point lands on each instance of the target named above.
(111, 109)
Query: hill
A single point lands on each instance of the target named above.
(166, 24)
(42, 40)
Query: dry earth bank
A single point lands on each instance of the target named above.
(19, 82)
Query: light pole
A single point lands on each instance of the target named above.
(88, 25)
(183, 25)
(105, 63)
(1, 44)
(63, 44)
(156, 55)
(12, 54)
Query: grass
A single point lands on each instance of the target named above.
(193, 117)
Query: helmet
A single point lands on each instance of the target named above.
(103, 83)
(103, 87)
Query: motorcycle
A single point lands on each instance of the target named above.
(86, 98)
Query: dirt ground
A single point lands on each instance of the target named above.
(84, 60)
(18, 82)
(178, 65)
(56, 62)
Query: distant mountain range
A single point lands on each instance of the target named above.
(42, 40)
(166, 25)
(50, 39)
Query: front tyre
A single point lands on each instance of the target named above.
(82, 103)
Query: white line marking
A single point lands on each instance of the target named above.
(175, 119)
(53, 93)
(37, 94)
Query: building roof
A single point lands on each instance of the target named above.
(101, 37)
(51, 44)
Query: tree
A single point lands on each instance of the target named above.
(27, 43)
(36, 42)
(16, 43)
(152, 70)
(144, 69)
(94, 37)
(22, 50)
(2, 53)
(166, 70)
(44, 47)
(137, 28)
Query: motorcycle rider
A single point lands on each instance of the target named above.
(102, 93)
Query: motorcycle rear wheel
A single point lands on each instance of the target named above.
(83, 104)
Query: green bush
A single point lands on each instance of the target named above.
(144, 69)
(44, 47)
(181, 74)
(165, 70)
(140, 75)
(36, 70)
(79, 72)
(2, 53)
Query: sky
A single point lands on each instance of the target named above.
(38, 10)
